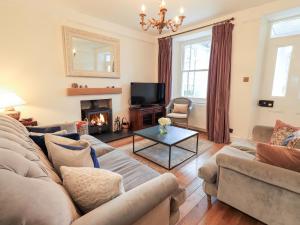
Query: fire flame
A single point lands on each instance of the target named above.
(98, 120)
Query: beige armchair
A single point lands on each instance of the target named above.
(179, 118)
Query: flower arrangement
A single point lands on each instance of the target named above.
(164, 122)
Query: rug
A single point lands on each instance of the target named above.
(160, 153)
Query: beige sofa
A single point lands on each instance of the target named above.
(265, 192)
(31, 192)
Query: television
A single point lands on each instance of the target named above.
(147, 94)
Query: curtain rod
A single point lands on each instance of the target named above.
(198, 28)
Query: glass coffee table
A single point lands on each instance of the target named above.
(174, 136)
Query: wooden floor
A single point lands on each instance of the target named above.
(196, 210)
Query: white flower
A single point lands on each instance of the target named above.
(164, 121)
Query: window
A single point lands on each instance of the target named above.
(194, 68)
(281, 71)
(284, 28)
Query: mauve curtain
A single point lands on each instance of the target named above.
(218, 92)
(165, 65)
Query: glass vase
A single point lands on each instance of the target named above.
(163, 129)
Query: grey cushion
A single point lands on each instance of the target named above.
(100, 147)
(134, 173)
(27, 194)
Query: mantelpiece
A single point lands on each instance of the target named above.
(93, 91)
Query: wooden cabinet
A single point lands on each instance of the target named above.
(144, 117)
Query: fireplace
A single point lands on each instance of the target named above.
(98, 113)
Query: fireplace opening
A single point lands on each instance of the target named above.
(98, 114)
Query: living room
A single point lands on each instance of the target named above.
(163, 61)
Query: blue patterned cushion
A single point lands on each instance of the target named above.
(44, 130)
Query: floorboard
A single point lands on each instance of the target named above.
(196, 210)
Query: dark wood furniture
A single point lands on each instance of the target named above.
(28, 122)
(143, 117)
(174, 136)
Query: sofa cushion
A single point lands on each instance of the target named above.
(44, 130)
(209, 170)
(281, 132)
(91, 187)
(279, 156)
(8, 121)
(244, 145)
(134, 173)
(60, 156)
(27, 194)
(39, 139)
(100, 147)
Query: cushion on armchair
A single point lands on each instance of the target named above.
(177, 115)
(180, 108)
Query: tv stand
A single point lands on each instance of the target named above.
(143, 117)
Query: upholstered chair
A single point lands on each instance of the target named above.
(179, 118)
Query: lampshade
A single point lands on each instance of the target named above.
(10, 99)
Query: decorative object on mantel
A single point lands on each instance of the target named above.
(81, 47)
(163, 123)
(74, 85)
(125, 123)
(162, 22)
(7, 101)
(117, 125)
(93, 91)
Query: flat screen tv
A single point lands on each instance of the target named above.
(145, 94)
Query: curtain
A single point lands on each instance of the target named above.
(218, 92)
(165, 65)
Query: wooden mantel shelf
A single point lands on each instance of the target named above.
(93, 91)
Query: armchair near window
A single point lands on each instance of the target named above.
(179, 118)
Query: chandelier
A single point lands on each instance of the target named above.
(162, 22)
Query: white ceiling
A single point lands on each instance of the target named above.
(126, 12)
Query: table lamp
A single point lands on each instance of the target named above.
(7, 101)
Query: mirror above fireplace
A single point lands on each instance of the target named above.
(91, 55)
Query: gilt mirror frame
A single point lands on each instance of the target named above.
(70, 33)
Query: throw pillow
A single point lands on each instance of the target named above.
(61, 156)
(39, 139)
(293, 140)
(278, 156)
(180, 108)
(89, 187)
(281, 132)
(44, 130)
(93, 152)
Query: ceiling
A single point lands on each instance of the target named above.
(126, 12)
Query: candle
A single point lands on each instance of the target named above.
(143, 9)
(181, 11)
(176, 19)
(163, 4)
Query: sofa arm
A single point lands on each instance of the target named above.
(132, 205)
(280, 177)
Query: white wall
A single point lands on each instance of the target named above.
(32, 63)
(248, 48)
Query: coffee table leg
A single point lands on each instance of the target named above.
(197, 144)
(133, 143)
(170, 157)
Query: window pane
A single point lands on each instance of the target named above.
(285, 28)
(184, 83)
(282, 71)
(187, 57)
(202, 54)
(201, 79)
